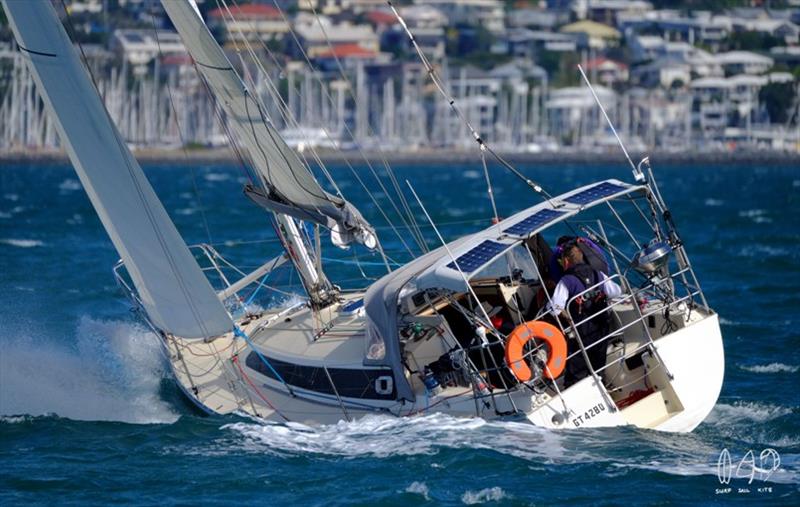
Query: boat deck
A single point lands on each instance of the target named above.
(214, 374)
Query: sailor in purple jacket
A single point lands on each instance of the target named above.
(579, 276)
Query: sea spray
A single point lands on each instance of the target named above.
(108, 371)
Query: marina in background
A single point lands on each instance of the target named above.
(675, 82)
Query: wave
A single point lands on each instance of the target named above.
(383, 436)
(22, 243)
(745, 411)
(486, 495)
(112, 372)
(69, 185)
(713, 202)
(419, 488)
(214, 177)
(771, 368)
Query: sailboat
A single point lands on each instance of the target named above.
(462, 329)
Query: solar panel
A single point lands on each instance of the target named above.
(478, 256)
(594, 193)
(533, 222)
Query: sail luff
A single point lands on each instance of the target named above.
(175, 294)
(290, 185)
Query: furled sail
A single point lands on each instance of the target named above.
(290, 187)
(174, 292)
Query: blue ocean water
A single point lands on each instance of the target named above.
(90, 415)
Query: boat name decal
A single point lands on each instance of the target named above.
(588, 414)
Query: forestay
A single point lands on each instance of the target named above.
(174, 292)
(290, 187)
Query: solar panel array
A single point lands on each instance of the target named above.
(594, 193)
(533, 222)
(478, 256)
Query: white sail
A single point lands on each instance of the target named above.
(174, 292)
(291, 188)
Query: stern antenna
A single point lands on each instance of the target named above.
(484, 146)
(638, 175)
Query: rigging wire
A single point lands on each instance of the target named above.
(265, 121)
(457, 110)
(403, 201)
(127, 157)
(182, 139)
(414, 230)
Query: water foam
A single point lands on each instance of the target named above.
(771, 368)
(22, 243)
(745, 411)
(214, 177)
(384, 436)
(486, 495)
(419, 488)
(113, 373)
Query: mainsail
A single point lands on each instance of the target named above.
(173, 290)
(290, 187)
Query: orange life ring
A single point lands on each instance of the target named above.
(548, 333)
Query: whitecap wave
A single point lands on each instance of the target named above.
(113, 373)
(22, 243)
(419, 488)
(713, 202)
(486, 495)
(745, 411)
(471, 174)
(213, 177)
(69, 185)
(763, 251)
(771, 368)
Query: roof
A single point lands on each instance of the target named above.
(604, 64)
(591, 28)
(251, 11)
(381, 18)
(734, 57)
(347, 51)
(711, 82)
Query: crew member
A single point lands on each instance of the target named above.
(579, 276)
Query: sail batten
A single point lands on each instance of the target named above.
(292, 188)
(175, 294)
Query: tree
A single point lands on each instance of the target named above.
(778, 98)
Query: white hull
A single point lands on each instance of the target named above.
(218, 384)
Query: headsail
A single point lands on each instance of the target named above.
(176, 295)
(290, 187)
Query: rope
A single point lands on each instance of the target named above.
(182, 139)
(127, 157)
(415, 233)
(237, 331)
(235, 360)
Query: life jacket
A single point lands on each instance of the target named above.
(588, 303)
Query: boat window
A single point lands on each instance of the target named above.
(376, 348)
(516, 262)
